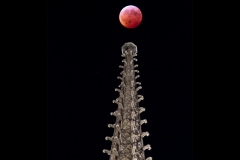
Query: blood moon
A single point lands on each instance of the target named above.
(130, 16)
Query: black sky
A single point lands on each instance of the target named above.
(84, 52)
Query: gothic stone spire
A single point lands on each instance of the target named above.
(127, 139)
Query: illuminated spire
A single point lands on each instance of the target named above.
(127, 139)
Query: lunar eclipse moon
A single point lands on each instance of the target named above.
(130, 16)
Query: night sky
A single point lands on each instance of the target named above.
(84, 40)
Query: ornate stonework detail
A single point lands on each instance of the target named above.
(127, 139)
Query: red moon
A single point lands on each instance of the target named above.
(130, 16)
